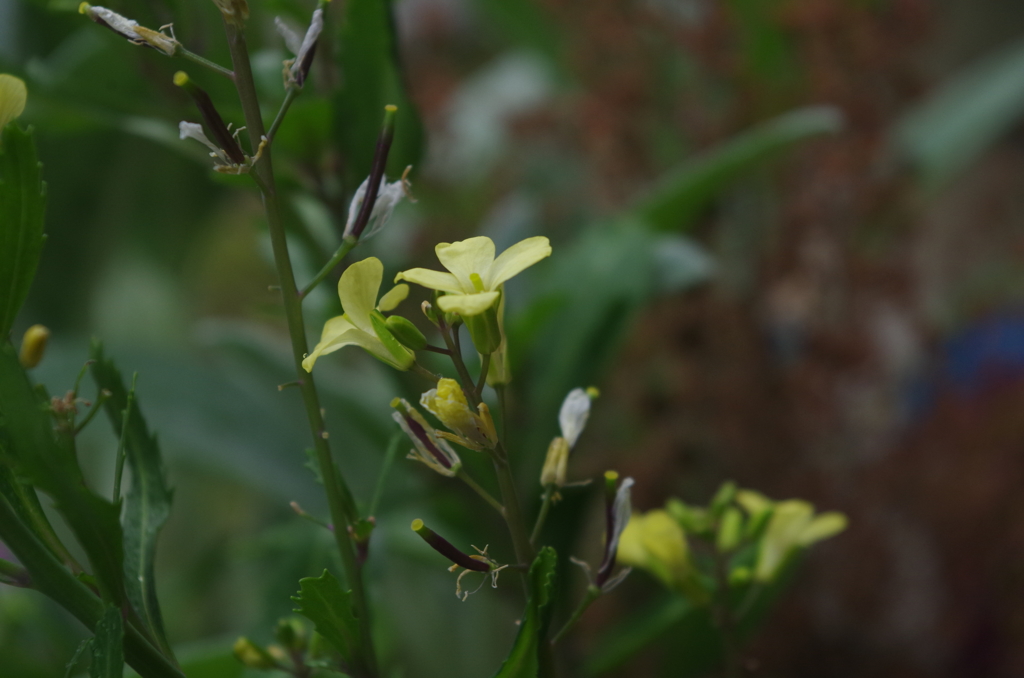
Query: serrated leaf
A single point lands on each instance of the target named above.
(682, 193)
(525, 661)
(22, 209)
(148, 503)
(371, 80)
(323, 602)
(108, 646)
(35, 452)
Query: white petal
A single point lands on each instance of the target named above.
(355, 205)
(622, 509)
(122, 25)
(388, 196)
(291, 39)
(312, 34)
(572, 418)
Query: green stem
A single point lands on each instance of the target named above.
(119, 464)
(385, 469)
(485, 364)
(549, 492)
(97, 406)
(592, 594)
(513, 512)
(14, 575)
(452, 342)
(346, 246)
(339, 497)
(289, 97)
(192, 56)
(55, 581)
(466, 478)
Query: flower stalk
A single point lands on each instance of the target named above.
(339, 497)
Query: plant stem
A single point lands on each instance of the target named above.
(289, 97)
(55, 581)
(513, 512)
(346, 246)
(725, 621)
(549, 492)
(466, 478)
(385, 469)
(451, 340)
(592, 594)
(485, 364)
(339, 497)
(101, 397)
(192, 56)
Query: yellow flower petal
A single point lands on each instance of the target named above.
(516, 259)
(358, 289)
(336, 334)
(822, 527)
(474, 255)
(12, 98)
(393, 298)
(467, 304)
(435, 280)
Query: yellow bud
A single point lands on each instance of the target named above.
(181, 78)
(13, 95)
(556, 463)
(33, 345)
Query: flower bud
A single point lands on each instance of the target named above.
(725, 496)
(13, 95)
(407, 333)
(252, 655)
(447, 402)
(484, 330)
(33, 345)
(291, 633)
(401, 358)
(556, 463)
(730, 530)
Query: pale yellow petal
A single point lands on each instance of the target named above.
(822, 527)
(467, 304)
(393, 298)
(516, 259)
(12, 98)
(474, 255)
(435, 280)
(358, 289)
(632, 549)
(336, 334)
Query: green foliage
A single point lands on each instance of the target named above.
(34, 450)
(107, 652)
(368, 58)
(22, 210)
(679, 196)
(527, 658)
(148, 503)
(323, 602)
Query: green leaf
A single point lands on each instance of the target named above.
(633, 634)
(52, 467)
(526, 659)
(148, 503)
(947, 131)
(108, 646)
(682, 193)
(83, 647)
(371, 79)
(22, 207)
(323, 602)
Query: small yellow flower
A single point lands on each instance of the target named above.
(655, 542)
(793, 526)
(12, 98)
(362, 323)
(473, 283)
(472, 430)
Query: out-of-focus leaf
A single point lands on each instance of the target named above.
(683, 192)
(630, 636)
(525, 660)
(323, 602)
(22, 209)
(36, 453)
(955, 124)
(83, 647)
(372, 79)
(107, 647)
(148, 503)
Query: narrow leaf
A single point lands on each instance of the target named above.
(108, 646)
(35, 452)
(372, 78)
(682, 193)
(148, 503)
(323, 602)
(83, 647)
(22, 208)
(525, 660)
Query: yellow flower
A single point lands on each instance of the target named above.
(654, 541)
(473, 283)
(12, 98)
(793, 526)
(362, 323)
(447, 402)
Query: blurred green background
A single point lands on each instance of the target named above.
(788, 247)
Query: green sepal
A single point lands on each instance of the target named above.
(22, 210)
(403, 358)
(405, 332)
(485, 330)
